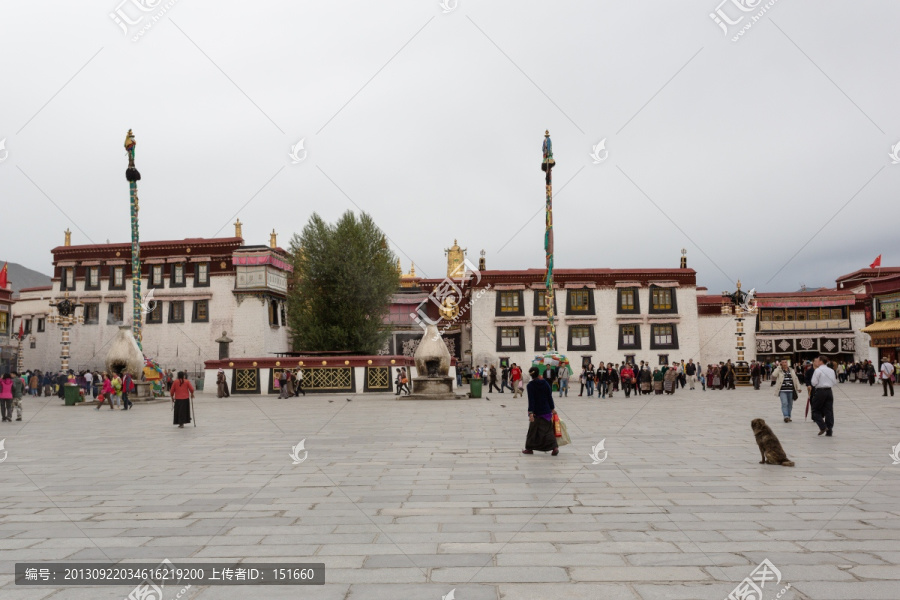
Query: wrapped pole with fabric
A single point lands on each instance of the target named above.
(133, 176)
(547, 165)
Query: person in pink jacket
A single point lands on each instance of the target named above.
(107, 390)
(6, 394)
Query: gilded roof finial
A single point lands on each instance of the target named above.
(68, 241)
(273, 239)
(237, 229)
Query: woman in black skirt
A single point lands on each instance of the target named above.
(182, 392)
(541, 435)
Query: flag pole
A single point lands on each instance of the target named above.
(133, 176)
(547, 166)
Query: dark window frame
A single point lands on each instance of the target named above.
(26, 326)
(172, 317)
(194, 313)
(172, 269)
(592, 345)
(591, 303)
(273, 307)
(151, 279)
(41, 324)
(537, 338)
(637, 301)
(112, 278)
(656, 346)
(520, 347)
(63, 279)
(664, 311)
(520, 312)
(197, 282)
(637, 337)
(538, 311)
(88, 283)
(95, 320)
(155, 316)
(110, 312)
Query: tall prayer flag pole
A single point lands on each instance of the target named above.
(547, 166)
(133, 176)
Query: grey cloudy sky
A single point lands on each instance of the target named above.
(744, 153)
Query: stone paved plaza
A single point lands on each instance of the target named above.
(410, 500)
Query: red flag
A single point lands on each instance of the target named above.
(3, 275)
(874, 265)
(21, 330)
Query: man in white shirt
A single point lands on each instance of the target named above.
(89, 379)
(887, 374)
(822, 399)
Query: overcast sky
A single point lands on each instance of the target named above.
(751, 154)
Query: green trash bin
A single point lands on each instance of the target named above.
(475, 388)
(72, 394)
(198, 384)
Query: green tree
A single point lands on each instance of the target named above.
(344, 276)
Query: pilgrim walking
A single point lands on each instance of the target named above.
(182, 392)
(541, 435)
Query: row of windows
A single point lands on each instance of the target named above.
(116, 312)
(801, 314)
(581, 302)
(116, 276)
(41, 325)
(581, 337)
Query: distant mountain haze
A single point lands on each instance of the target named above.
(23, 277)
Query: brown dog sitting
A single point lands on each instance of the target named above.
(769, 446)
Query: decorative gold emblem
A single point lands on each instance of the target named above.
(449, 309)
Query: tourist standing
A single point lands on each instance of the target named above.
(34, 383)
(221, 385)
(887, 376)
(786, 387)
(127, 388)
(691, 371)
(284, 385)
(822, 401)
(628, 379)
(755, 374)
(541, 435)
(116, 398)
(182, 392)
(18, 390)
(589, 375)
(564, 381)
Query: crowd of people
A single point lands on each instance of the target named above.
(818, 376)
(103, 387)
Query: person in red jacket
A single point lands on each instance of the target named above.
(627, 374)
(182, 392)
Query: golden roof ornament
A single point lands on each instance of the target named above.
(273, 239)
(68, 233)
(237, 229)
(456, 256)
